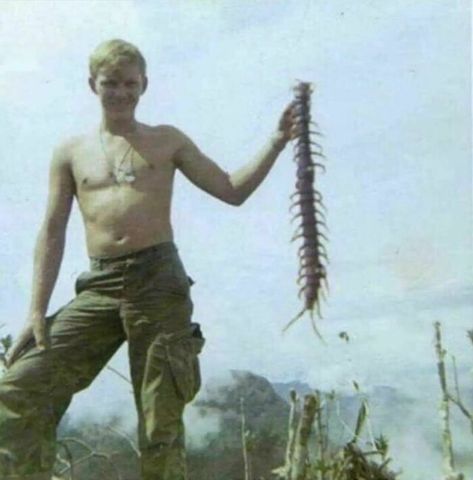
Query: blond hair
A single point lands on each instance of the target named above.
(113, 52)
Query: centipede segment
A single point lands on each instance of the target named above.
(308, 209)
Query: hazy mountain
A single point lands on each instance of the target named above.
(265, 414)
(264, 409)
(264, 405)
(283, 388)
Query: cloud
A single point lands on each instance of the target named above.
(201, 426)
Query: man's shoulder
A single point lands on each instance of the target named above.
(65, 148)
(164, 130)
(159, 128)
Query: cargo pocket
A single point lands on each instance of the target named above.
(182, 355)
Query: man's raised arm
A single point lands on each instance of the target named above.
(233, 188)
(48, 251)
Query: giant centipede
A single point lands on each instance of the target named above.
(308, 155)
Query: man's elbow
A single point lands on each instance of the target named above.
(235, 198)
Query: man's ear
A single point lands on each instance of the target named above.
(92, 84)
(145, 84)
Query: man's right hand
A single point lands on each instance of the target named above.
(35, 329)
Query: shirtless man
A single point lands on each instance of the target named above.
(136, 290)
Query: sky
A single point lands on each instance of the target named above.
(392, 96)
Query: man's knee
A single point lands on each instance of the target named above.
(9, 399)
(15, 400)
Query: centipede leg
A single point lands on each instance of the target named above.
(314, 326)
(294, 320)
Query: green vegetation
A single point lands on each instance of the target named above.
(261, 436)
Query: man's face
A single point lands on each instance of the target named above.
(119, 88)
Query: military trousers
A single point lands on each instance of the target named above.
(142, 298)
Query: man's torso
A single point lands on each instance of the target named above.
(121, 216)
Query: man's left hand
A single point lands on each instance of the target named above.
(288, 129)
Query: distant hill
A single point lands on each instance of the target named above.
(266, 410)
(283, 388)
(263, 405)
(266, 416)
(266, 407)
(267, 404)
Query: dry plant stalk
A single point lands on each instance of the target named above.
(328, 462)
(457, 399)
(91, 454)
(301, 452)
(125, 437)
(447, 442)
(294, 408)
(322, 427)
(285, 470)
(244, 438)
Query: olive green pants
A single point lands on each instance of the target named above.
(143, 298)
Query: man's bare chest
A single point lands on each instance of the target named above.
(96, 166)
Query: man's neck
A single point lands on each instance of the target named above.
(120, 126)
